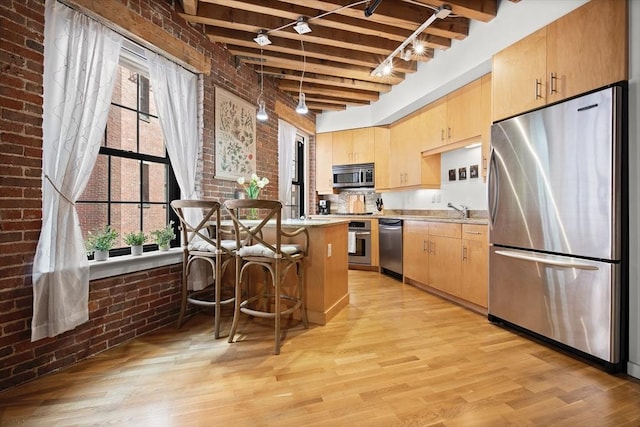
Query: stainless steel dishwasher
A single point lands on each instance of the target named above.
(390, 242)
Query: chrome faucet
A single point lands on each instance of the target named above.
(464, 212)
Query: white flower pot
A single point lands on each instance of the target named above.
(136, 250)
(164, 247)
(100, 255)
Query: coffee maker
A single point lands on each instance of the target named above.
(324, 207)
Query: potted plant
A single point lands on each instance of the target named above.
(135, 239)
(164, 236)
(100, 242)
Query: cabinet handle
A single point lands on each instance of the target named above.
(552, 83)
(424, 245)
(472, 232)
(448, 133)
(432, 247)
(537, 88)
(464, 253)
(441, 134)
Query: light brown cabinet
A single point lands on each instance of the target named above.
(353, 146)
(407, 167)
(475, 264)
(324, 162)
(486, 122)
(583, 50)
(381, 137)
(451, 258)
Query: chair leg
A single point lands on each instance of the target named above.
(276, 284)
(238, 298)
(217, 294)
(183, 302)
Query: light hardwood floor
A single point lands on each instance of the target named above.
(396, 356)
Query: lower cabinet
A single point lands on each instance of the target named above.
(450, 258)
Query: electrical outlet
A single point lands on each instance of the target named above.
(433, 198)
(329, 250)
(438, 198)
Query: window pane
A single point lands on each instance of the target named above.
(129, 215)
(122, 129)
(154, 217)
(157, 182)
(92, 216)
(125, 91)
(125, 179)
(151, 141)
(96, 189)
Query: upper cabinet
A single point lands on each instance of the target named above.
(381, 137)
(407, 168)
(583, 50)
(353, 146)
(324, 162)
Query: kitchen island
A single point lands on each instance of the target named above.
(326, 265)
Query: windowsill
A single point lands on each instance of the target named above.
(116, 266)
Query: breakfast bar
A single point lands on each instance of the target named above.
(326, 265)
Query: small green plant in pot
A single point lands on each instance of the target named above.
(100, 242)
(135, 239)
(164, 236)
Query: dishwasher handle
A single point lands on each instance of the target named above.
(390, 224)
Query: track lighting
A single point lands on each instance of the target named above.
(406, 55)
(418, 47)
(384, 69)
(302, 26)
(262, 38)
(262, 112)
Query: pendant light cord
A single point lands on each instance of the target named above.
(261, 75)
(304, 64)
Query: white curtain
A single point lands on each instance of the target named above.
(80, 60)
(286, 150)
(176, 93)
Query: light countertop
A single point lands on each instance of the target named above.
(411, 217)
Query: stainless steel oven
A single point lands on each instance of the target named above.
(359, 242)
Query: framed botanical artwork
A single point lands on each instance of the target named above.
(235, 136)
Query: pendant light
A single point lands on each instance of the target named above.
(302, 106)
(262, 112)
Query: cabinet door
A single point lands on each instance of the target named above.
(485, 111)
(433, 123)
(475, 264)
(444, 264)
(381, 136)
(587, 49)
(343, 147)
(464, 112)
(363, 145)
(518, 80)
(396, 156)
(415, 251)
(324, 161)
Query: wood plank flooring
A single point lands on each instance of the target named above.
(396, 356)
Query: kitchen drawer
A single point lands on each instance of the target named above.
(474, 232)
(445, 229)
(421, 227)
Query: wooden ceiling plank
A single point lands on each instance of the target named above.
(479, 10)
(189, 6)
(340, 82)
(290, 85)
(115, 12)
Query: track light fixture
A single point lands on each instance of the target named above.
(262, 38)
(372, 8)
(262, 112)
(302, 26)
(384, 69)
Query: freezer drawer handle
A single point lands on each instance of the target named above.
(557, 263)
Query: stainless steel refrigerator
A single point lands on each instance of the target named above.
(555, 199)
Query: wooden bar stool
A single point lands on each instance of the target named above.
(202, 242)
(274, 257)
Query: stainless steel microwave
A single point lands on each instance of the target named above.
(353, 176)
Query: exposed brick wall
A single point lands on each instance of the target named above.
(122, 307)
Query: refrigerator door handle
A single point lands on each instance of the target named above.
(541, 259)
(493, 186)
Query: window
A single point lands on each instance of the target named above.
(132, 180)
(296, 203)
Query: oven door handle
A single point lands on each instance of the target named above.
(363, 233)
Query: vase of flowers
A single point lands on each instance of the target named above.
(253, 188)
(100, 242)
(164, 236)
(135, 239)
